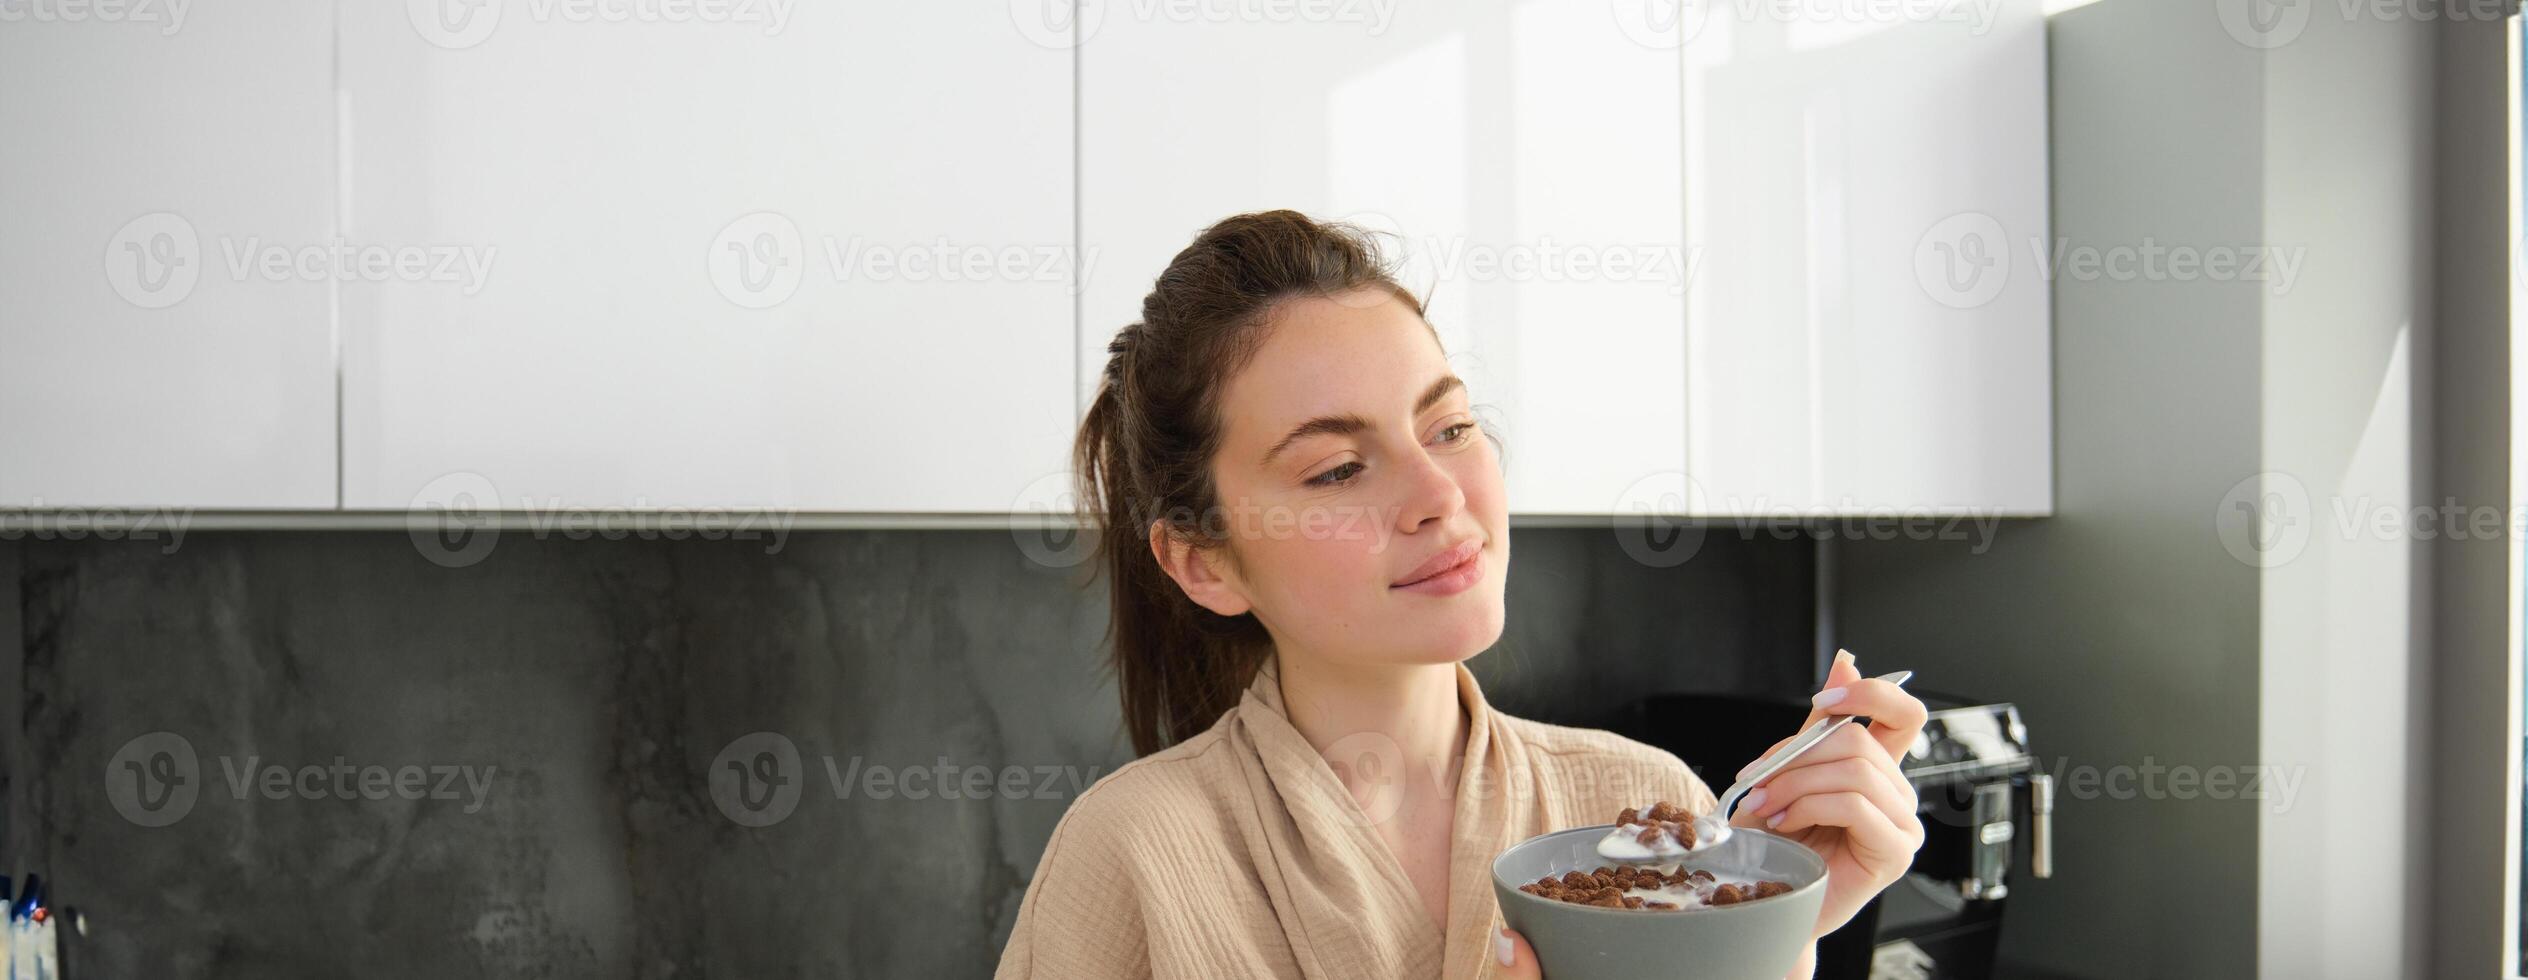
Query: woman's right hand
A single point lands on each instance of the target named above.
(1518, 962)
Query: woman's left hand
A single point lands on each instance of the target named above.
(1846, 799)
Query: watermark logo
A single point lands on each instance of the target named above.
(2264, 520)
(760, 779)
(1963, 261)
(1045, 521)
(1661, 23)
(451, 519)
(1371, 765)
(1057, 23)
(153, 780)
(1675, 23)
(2268, 24)
(2268, 519)
(460, 24)
(41, 523)
(755, 781)
(2264, 24)
(1664, 519)
(453, 24)
(154, 260)
(456, 519)
(1070, 23)
(2276, 787)
(166, 15)
(1655, 519)
(757, 261)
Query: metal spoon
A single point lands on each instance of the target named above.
(1712, 828)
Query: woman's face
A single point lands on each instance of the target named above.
(1363, 505)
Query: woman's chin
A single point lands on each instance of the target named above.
(1459, 637)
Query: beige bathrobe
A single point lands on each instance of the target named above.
(1240, 854)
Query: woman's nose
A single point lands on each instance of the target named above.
(1433, 495)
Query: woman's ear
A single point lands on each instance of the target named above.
(1196, 571)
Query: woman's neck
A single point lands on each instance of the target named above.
(1413, 705)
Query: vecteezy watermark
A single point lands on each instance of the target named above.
(1070, 23)
(36, 522)
(2267, 24)
(2264, 520)
(2268, 519)
(167, 16)
(1374, 768)
(758, 779)
(1664, 519)
(2275, 785)
(759, 260)
(1050, 529)
(1964, 261)
(1671, 266)
(155, 779)
(455, 521)
(1654, 519)
(1046, 522)
(1674, 23)
(458, 24)
(155, 260)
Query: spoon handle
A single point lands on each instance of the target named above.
(1799, 744)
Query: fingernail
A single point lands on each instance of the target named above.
(1748, 768)
(1829, 697)
(1843, 656)
(1752, 802)
(1776, 819)
(1501, 947)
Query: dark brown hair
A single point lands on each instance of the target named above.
(1145, 447)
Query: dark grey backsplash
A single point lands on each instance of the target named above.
(590, 689)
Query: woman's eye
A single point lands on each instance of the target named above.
(1456, 433)
(1336, 475)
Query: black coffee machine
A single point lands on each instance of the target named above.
(1981, 791)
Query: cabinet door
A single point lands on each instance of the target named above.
(1523, 156)
(150, 355)
(754, 255)
(1869, 330)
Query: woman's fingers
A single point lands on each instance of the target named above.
(1849, 743)
(1843, 673)
(1878, 842)
(1517, 960)
(1895, 717)
(1857, 774)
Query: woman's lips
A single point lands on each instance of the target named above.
(1447, 573)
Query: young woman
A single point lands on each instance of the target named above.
(1305, 537)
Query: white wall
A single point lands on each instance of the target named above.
(2348, 142)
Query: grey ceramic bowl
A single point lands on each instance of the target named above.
(1757, 940)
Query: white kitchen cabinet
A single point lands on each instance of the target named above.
(156, 155)
(1870, 327)
(818, 264)
(1523, 155)
(1794, 173)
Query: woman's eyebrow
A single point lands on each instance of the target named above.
(1323, 425)
(1438, 390)
(1343, 425)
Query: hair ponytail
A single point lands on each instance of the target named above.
(1144, 453)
